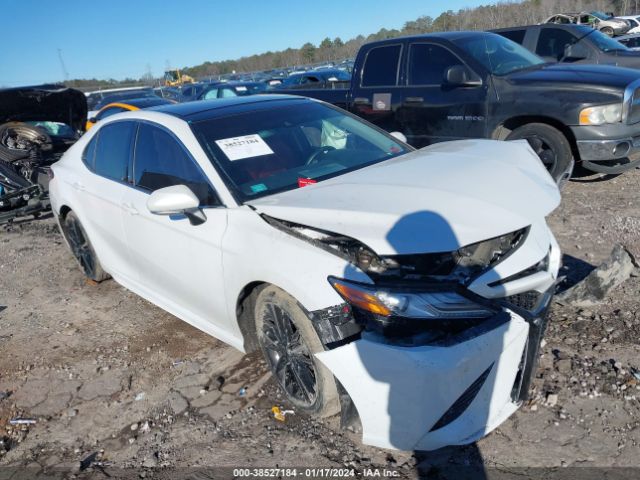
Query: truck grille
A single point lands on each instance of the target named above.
(633, 113)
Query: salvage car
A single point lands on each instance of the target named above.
(411, 284)
(37, 125)
(601, 21)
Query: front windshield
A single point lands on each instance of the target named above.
(600, 15)
(267, 151)
(600, 40)
(499, 55)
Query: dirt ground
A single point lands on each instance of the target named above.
(117, 385)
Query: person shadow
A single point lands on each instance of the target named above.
(438, 399)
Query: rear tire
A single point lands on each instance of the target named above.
(82, 249)
(551, 146)
(288, 341)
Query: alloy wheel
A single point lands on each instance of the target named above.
(289, 357)
(81, 248)
(543, 150)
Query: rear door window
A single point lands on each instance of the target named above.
(552, 42)
(161, 161)
(514, 35)
(113, 150)
(428, 63)
(381, 66)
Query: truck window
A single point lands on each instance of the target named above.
(428, 63)
(381, 66)
(552, 41)
(514, 35)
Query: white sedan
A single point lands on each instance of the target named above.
(412, 285)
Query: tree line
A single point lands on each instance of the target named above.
(501, 14)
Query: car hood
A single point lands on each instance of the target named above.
(435, 199)
(52, 103)
(596, 75)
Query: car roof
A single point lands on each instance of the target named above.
(438, 35)
(223, 107)
(566, 26)
(144, 102)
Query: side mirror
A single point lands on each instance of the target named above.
(461, 76)
(575, 51)
(399, 135)
(176, 200)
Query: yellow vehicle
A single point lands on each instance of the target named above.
(174, 78)
(126, 106)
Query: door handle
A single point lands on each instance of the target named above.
(360, 100)
(78, 186)
(414, 100)
(130, 209)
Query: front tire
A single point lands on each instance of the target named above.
(551, 146)
(288, 341)
(82, 249)
(607, 31)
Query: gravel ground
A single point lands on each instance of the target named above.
(117, 385)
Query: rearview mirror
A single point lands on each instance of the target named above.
(176, 200)
(575, 51)
(461, 76)
(399, 135)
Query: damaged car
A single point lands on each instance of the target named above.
(37, 125)
(404, 288)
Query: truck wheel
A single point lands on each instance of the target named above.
(550, 145)
(82, 249)
(288, 341)
(607, 31)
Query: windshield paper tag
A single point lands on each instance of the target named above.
(247, 146)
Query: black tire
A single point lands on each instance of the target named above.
(82, 249)
(288, 341)
(33, 135)
(607, 31)
(550, 145)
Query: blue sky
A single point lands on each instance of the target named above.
(118, 39)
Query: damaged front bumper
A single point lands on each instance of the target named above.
(455, 390)
(428, 397)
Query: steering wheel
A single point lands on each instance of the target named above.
(313, 158)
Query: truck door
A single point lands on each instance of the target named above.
(376, 94)
(433, 110)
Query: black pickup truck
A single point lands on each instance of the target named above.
(457, 85)
(572, 44)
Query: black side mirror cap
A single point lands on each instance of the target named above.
(461, 76)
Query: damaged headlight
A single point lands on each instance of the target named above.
(345, 247)
(460, 265)
(411, 318)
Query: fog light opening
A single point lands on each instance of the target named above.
(622, 149)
